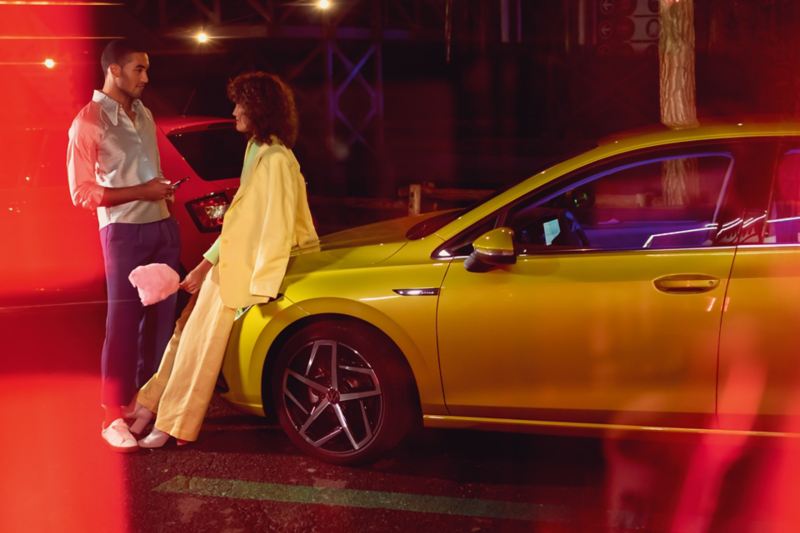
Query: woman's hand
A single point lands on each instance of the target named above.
(191, 283)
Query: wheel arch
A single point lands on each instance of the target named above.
(308, 321)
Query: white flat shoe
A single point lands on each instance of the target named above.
(156, 439)
(118, 437)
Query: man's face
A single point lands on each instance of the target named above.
(132, 76)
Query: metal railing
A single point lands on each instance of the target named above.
(440, 197)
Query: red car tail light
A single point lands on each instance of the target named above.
(208, 211)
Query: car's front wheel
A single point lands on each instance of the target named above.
(342, 392)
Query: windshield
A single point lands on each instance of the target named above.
(214, 153)
(434, 223)
(430, 225)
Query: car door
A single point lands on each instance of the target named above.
(760, 338)
(614, 302)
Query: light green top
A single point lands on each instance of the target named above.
(212, 254)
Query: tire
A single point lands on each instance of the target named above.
(353, 415)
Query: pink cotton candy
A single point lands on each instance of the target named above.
(155, 282)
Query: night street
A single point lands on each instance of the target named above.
(400, 266)
(244, 475)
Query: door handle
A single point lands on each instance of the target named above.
(686, 283)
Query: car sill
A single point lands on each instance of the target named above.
(544, 426)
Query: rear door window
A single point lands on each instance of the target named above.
(783, 216)
(214, 153)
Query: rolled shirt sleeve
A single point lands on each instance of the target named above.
(81, 157)
(107, 150)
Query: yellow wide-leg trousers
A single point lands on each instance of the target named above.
(180, 392)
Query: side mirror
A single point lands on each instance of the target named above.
(493, 248)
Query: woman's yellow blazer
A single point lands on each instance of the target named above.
(267, 217)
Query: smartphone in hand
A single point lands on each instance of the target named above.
(180, 182)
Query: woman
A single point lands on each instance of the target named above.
(267, 217)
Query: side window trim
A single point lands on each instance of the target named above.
(603, 173)
(597, 169)
(609, 167)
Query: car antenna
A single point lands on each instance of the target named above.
(189, 101)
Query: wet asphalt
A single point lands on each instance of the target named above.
(244, 475)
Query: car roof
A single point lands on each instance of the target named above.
(709, 129)
(630, 141)
(173, 123)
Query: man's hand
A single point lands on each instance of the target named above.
(156, 189)
(191, 283)
(89, 195)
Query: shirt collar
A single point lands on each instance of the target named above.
(111, 107)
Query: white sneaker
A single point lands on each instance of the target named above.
(118, 437)
(156, 439)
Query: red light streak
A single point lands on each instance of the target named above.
(58, 37)
(42, 3)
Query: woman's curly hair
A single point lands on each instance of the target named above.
(269, 105)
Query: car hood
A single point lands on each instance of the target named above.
(393, 230)
(356, 247)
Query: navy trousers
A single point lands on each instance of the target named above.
(136, 336)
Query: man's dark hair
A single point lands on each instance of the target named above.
(117, 51)
(269, 104)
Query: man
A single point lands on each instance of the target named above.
(114, 167)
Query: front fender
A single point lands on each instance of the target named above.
(254, 334)
(249, 342)
(420, 351)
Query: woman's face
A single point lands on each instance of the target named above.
(243, 123)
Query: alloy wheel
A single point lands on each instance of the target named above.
(332, 397)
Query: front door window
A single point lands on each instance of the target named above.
(652, 203)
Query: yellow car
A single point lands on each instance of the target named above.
(650, 283)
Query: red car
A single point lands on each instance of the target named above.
(210, 152)
(52, 250)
